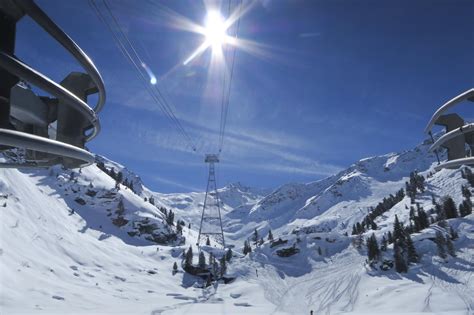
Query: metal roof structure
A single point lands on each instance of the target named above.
(25, 118)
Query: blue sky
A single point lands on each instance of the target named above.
(331, 82)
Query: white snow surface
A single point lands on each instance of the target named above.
(55, 261)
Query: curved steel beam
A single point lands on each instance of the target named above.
(23, 71)
(49, 26)
(37, 143)
(451, 135)
(456, 163)
(468, 95)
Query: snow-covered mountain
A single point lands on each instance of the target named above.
(188, 206)
(342, 199)
(77, 242)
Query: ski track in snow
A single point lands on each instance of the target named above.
(328, 285)
(458, 289)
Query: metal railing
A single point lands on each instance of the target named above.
(50, 151)
(459, 133)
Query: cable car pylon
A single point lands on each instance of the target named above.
(211, 222)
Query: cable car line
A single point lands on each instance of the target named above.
(130, 53)
(164, 103)
(226, 101)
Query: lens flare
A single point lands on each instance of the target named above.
(150, 74)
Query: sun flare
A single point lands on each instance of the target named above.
(218, 31)
(215, 29)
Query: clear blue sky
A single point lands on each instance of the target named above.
(332, 82)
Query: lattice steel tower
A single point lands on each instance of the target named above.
(211, 223)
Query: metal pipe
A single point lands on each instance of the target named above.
(37, 143)
(467, 95)
(49, 26)
(455, 163)
(451, 135)
(23, 71)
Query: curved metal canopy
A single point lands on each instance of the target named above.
(456, 163)
(71, 154)
(467, 95)
(451, 135)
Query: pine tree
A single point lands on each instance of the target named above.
(354, 230)
(373, 252)
(119, 177)
(211, 259)
(120, 207)
(449, 208)
(383, 244)
(188, 262)
(422, 219)
(400, 265)
(358, 241)
(208, 241)
(208, 281)
(398, 231)
(260, 242)
(360, 228)
(410, 228)
(179, 229)
(112, 173)
(223, 266)
(466, 192)
(215, 267)
(453, 233)
(189, 226)
(175, 267)
(389, 237)
(450, 247)
(440, 244)
(441, 215)
(170, 218)
(270, 235)
(373, 226)
(228, 254)
(247, 248)
(412, 255)
(202, 260)
(465, 208)
(255, 236)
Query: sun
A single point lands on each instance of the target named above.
(215, 30)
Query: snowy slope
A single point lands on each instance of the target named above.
(56, 261)
(339, 280)
(340, 200)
